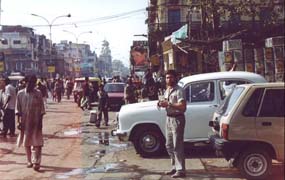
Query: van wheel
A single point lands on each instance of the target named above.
(148, 141)
(255, 163)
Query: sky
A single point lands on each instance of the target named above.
(116, 21)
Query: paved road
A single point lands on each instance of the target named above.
(76, 149)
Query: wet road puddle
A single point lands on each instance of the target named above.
(110, 167)
(72, 132)
(103, 138)
(110, 144)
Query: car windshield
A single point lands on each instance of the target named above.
(114, 87)
(226, 107)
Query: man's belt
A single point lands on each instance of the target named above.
(175, 115)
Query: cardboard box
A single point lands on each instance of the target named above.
(238, 58)
(258, 54)
(248, 55)
(268, 54)
(269, 67)
(259, 68)
(279, 77)
(274, 41)
(279, 66)
(278, 53)
(232, 44)
(249, 67)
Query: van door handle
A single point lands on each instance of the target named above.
(266, 123)
(215, 105)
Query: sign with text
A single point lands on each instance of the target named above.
(51, 69)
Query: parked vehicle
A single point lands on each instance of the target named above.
(144, 124)
(251, 128)
(115, 92)
(77, 88)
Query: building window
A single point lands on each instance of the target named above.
(4, 41)
(17, 42)
(174, 16)
(18, 66)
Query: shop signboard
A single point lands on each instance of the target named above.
(51, 69)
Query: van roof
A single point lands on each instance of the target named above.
(18, 77)
(268, 84)
(223, 75)
(90, 79)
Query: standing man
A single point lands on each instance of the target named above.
(175, 106)
(30, 110)
(9, 109)
(102, 106)
(2, 89)
(130, 92)
(85, 103)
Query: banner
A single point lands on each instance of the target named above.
(180, 33)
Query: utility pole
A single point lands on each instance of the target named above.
(0, 11)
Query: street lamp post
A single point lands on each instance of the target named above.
(50, 24)
(76, 39)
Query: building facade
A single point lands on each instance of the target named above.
(210, 22)
(18, 45)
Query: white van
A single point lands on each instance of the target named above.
(251, 128)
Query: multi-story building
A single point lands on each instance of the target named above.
(18, 45)
(209, 22)
(78, 59)
(118, 69)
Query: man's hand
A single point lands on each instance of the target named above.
(163, 103)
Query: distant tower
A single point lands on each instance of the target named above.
(105, 60)
(105, 48)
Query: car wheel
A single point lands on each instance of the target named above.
(148, 142)
(255, 163)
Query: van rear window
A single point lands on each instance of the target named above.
(252, 105)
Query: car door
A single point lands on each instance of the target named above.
(270, 119)
(201, 103)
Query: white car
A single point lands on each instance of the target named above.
(144, 123)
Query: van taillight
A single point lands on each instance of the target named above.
(225, 131)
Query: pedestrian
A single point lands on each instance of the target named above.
(9, 109)
(130, 92)
(175, 105)
(2, 89)
(85, 101)
(42, 87)
(30, 110)
(58, 89)
(102, 106)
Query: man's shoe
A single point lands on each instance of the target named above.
(172, 171)
(178, 175)
(36, 167)
(3, 134)
(29, 165)
(12, 135)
